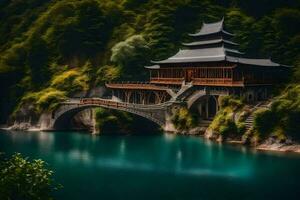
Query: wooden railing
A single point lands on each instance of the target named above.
(135, 85)
(142, 110)
(103, 102)
(116, 104)
(167, 80)
(217, 82)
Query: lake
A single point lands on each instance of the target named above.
(157, 166)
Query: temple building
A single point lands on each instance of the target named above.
(211, 61)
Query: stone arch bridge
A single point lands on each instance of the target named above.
(158, 113)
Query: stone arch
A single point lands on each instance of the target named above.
(212, 106)
(206, 105)
(63, 120)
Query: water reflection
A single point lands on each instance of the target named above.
(168, 154)
(185, 163)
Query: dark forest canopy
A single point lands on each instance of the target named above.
(52, 49)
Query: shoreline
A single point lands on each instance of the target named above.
(273, 147)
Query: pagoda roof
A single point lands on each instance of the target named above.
(246, 61)
(199, 55)
(211, 28)
(213, 49)
(206, 42)
(251, 61)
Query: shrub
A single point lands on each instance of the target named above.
(45, 100)
(26, 180)
(108, 73)
(265, 121)
(230, 101)
(229, 128)
(241, 128)
(71, 81)
(113, 121)
(283, 117)
(183, 119)
(49, 99)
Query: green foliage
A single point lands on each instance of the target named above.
(37, 61)
(75, 28)
(283, 119)
(224, 122)
(183, 119)
(241, 128)
(240, 23)
(72, 81)
(131, 55)
(40, 37)
(45, 100)
(230, 101)
(26, 180)
(228, 128)
(296, 74)
(261, 117)
(113, 122)
(108, 73)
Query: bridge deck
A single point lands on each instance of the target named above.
(116, 104)
(154, 112)
(138, 85)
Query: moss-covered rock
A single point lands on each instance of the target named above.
(183, 120)
(229, 121)
(282, 120)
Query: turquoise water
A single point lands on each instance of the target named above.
(157, 167)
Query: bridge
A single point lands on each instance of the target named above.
(158, 113)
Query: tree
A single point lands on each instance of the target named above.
(131, 55)
(26, 180)
(37, 60)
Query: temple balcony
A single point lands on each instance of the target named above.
(135, 86)
(217, 82)
(167, 81)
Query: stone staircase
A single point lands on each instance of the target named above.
(195, 96)
(205, 123)
(249, 122)
(250, 119)
(183, 92)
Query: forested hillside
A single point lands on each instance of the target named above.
(50, 50)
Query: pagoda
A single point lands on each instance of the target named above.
(211, 61)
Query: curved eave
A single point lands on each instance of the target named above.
(192, 44)
(255, 62)
(152, 67)
(227, 33)
(230, 42)
(234, 51)
(211, 33)
(191, 60)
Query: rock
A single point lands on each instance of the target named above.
(220, 139)
(211, 134)
(23, 126)
(197, 131)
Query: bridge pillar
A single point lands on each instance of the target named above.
(207, 107)
(169, 126)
